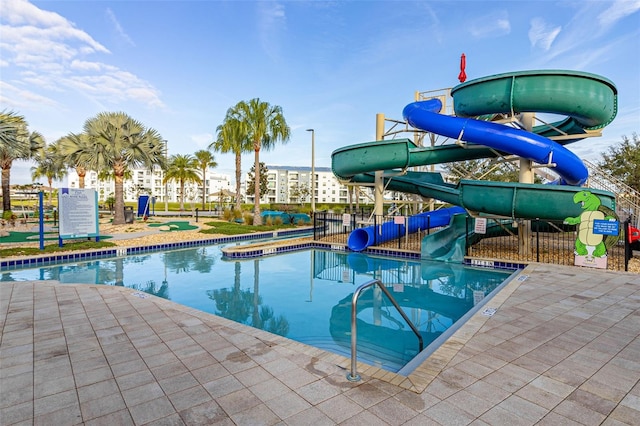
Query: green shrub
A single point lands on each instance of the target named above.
(248, 218)
(227, 214)
(277, 220)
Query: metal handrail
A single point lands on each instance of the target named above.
(353, 375)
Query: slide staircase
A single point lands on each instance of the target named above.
(627, 198)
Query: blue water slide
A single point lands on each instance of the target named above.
(361, 238)
(425, 115)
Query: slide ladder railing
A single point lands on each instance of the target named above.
(353, 375)
(627, 198)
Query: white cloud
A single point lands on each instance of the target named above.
(542, 34)
(271, 20)
(47, 52)
(85, 65)
(494, 24)
(121, 32)
(19, 98)
(618, 10)
(24, 15)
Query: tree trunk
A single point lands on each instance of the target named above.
(6, 190)
(118, 214)
(50, 191)
(257, 219)
(82, 172)
(238, 183)
(181, 195)
(204, 189)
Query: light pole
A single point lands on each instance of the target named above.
(166, 194)
(313, 171)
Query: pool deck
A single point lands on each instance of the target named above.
(561, 347)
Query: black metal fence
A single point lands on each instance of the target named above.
(542, 241)
(518, 241)
(381, 231)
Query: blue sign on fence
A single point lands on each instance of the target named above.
(605, 227)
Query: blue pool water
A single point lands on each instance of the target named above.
(305, 296)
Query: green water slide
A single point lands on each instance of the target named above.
(586, 100)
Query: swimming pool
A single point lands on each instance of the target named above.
(305, 295)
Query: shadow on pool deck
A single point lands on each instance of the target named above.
(561, 348)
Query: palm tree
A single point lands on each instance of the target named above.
(118, 142)
(16, 143)
(50, 166)
(205, 160)
(232, 137)
(76, 150)
(264, 125)
(182, 168)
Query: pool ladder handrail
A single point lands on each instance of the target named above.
(353, 375)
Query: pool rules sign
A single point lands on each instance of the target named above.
(78, 210)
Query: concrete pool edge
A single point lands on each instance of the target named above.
(419, 374)
(449, 332)
(17, 262)
(433, 359)
(416, 381)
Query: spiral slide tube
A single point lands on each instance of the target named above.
(425, 115)
(589, 102)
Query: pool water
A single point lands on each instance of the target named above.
(305, 296)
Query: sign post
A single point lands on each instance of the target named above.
(78, 210)
(41, 218)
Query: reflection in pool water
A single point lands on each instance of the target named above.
(305, 296)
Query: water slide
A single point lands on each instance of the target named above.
(361, 238)
(588, 101)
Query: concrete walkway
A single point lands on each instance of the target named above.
(562, 348)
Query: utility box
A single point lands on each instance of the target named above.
(128, 214)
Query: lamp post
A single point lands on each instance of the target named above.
(166, 194)
(313, 171)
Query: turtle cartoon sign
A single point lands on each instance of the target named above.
(597, 230)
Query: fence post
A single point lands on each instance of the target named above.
(324, 223)
(375, 230)
(537, 222)
(627, 243)
(313, 223)
(466, 236)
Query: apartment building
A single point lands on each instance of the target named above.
(149, 182)
(290, 184)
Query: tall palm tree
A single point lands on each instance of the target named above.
(205, 160)
(118, 142)
(50, 166)
(265, 125)
(183, 169)
(76, 150)
(16, 143)
(232, 137)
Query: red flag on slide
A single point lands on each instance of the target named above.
(463, 63)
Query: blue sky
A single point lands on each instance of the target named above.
(177, 66)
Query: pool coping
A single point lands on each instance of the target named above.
(84, 255)
(416, 380)
(421, 376)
